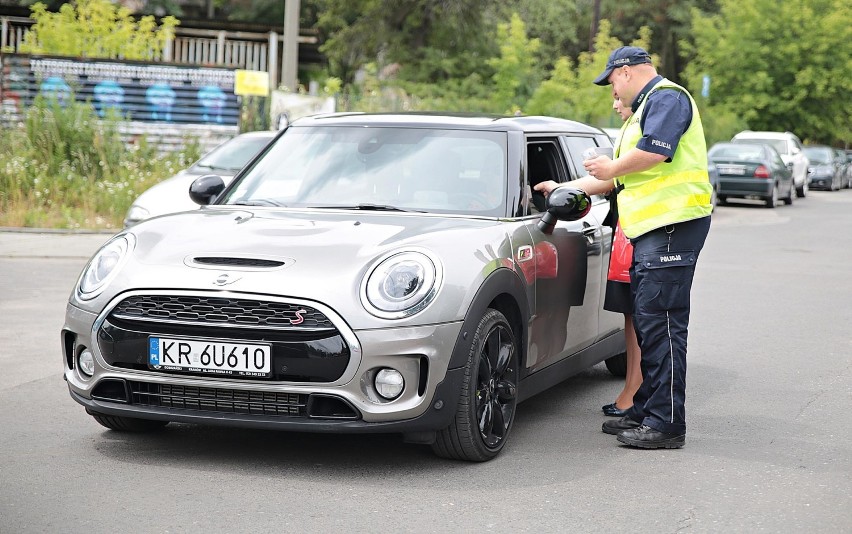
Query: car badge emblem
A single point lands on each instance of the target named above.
(224, 279)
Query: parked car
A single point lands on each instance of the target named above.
(789, 147)
(171, 195)
(826, 169)
(367, 273)
(749, 170)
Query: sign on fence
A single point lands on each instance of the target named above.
(140, 92)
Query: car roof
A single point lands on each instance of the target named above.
(749, 134)
(530, 124)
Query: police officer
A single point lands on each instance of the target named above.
(660, 173)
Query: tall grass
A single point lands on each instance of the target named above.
(65, 167)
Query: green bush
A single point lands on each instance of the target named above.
(67, 168)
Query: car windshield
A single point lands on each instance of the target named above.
(232, 155)
(780, 145)
(380, 168)
(744, 152)
(819, 156)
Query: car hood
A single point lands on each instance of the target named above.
(320, 256)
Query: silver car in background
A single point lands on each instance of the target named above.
(367, 273)
(171, 195)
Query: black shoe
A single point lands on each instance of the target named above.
(646, 437)
(614, 426)
(611, 410)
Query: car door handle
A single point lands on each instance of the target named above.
(589, 230)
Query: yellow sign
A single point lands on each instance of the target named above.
(251, 83)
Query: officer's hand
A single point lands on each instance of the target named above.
(600, 167)
(546, 186)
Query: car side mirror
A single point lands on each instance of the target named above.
(564, 204)
(205, 188)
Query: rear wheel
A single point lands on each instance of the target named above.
(791, 194)
(128, 424)
(488, 399)
(772, 200)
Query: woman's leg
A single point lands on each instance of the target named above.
(633, 378)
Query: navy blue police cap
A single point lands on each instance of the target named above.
(626, 55)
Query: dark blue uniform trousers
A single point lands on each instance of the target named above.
(661, 280)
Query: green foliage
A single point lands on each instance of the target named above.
(570, 93)
(66, 168)
(515, 72)
(96, 29)
(779, 66)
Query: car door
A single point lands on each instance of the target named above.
(568, 265)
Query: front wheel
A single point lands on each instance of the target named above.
(128, 424)
(802, 191)
(488, 398)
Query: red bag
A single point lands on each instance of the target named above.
(621, 257)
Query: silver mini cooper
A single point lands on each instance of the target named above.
(363, 273)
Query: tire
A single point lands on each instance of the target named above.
(722, 200)
(714, 198)
(617, 365)
(802, 191)
(788, 200)
(128, 424)
(772, 200)
(488, 399)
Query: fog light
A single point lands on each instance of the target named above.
(86, 362)
(389, 383)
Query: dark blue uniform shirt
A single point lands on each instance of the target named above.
(665, 119)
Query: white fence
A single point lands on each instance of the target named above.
(209, 48)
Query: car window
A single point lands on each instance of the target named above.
(420, 169)
(742, 152)
(232, 155)
(776, 158)
(818, 156)
(780, 145)
(576, 145)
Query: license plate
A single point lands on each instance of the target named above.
(731, 169)
(208, 356)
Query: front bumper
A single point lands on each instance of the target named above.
(347, 403)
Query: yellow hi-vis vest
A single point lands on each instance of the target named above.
(667, 193)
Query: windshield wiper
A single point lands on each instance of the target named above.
(369, 207)
(259, 202)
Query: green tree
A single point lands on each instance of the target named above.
(779, 66)
(96, 28)
(570, 93)
(515, 75)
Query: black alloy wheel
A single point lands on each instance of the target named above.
(488, 398)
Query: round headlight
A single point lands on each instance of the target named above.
(104, 265)
(389, 383)
(401, 285)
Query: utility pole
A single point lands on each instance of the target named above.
(290, 57)
(596, 17)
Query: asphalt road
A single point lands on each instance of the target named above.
(768, 447)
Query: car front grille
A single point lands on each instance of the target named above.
(220, 400)
(208, 310)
